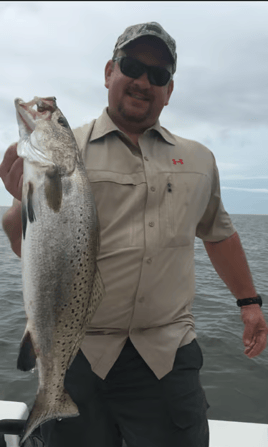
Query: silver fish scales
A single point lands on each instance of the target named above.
(62, 286)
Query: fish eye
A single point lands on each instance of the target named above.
(63, 121)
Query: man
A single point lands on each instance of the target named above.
(137, 376)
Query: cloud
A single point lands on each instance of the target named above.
(221, 89)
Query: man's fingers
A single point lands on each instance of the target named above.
(13, 181)
(20, 187)
(257, 346)
(11, 171)
(248, 336)
(16, 172)
(8, 160)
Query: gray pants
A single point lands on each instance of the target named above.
(132, 404)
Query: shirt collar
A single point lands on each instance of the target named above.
(165, 134)
(105, 125)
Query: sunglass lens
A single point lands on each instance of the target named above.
(131, 67)
(159, 76)
(134, 69)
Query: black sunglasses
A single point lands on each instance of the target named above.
(134, 69)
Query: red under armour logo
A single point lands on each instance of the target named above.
(177, 161)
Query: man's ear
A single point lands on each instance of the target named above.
(169, 91)
(108, 71)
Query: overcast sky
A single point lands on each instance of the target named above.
(221, 85)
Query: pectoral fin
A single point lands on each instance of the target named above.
(53, 188)
(30, 208)
(24, 218)
(27, 208)
(26, 359)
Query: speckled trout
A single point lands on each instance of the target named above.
(62, 286)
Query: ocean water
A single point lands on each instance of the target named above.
(236, 387)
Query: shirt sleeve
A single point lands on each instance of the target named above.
(215, 224)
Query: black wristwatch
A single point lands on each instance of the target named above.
(247, 301)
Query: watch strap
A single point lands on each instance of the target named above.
(248, 301)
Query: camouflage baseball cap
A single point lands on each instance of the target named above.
(148, 29)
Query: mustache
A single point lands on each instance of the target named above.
(136, 90)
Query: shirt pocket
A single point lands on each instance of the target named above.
(120, 201)
(183, 200)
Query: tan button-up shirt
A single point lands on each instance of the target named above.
(152, 201)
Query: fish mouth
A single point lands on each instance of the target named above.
(27, 115)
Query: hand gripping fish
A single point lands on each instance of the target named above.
(62, 286)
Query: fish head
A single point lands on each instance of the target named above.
(27, 115)
(44, 128)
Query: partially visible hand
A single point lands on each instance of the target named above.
(256, 330)
(11, 172)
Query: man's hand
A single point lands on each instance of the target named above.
(256, 330)
(11, 172)
(229, 261)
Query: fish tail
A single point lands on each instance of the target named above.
(46, 408)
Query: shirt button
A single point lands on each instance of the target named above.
(141, 300)
(149, 260)
(151, 224)
(153, 188)
(146, 158)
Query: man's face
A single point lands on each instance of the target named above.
(135, 104)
